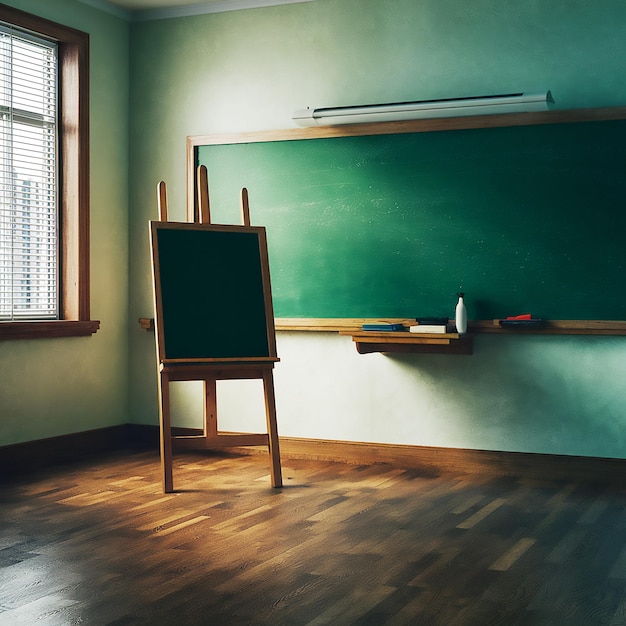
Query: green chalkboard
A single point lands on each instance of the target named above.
(526, 219)
(212, 292)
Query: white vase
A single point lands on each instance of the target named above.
(461, 315)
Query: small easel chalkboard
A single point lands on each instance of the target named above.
(213, 320)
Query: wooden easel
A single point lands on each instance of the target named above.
(208, 367)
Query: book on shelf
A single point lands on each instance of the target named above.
(522, 321)
(430, 325)
(429, 328)
(383, 326)
(437, 321)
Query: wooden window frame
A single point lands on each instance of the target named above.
(73, 46)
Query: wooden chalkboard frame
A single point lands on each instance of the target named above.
(267, 343)
(602, 327)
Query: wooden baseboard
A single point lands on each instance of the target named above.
(435, 460)
(36, 455)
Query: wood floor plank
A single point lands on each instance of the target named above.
(563, 551)
(342, 611)
(619, 567)
(184, 524)
(480, 515)
(510, 556)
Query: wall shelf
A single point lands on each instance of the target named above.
(396, 341)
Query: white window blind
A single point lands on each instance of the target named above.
(28, 177)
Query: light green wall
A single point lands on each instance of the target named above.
(249, 70)
(59, 386)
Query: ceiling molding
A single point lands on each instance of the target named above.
(108, 7)
(186, 10)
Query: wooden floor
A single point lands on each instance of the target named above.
(99, 543)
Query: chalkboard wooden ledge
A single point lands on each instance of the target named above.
(335, 324)
(554, 327)
(551, 327)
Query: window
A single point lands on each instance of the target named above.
(28, 177)
(44, 178)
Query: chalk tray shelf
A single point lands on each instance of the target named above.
(352, 326)
(397, 341)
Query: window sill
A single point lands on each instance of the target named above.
(48, 329)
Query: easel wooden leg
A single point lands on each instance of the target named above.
(166, 433)
(272, 429)
(210, 408)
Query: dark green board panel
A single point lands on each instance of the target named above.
(212, 293)
(522, 219)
